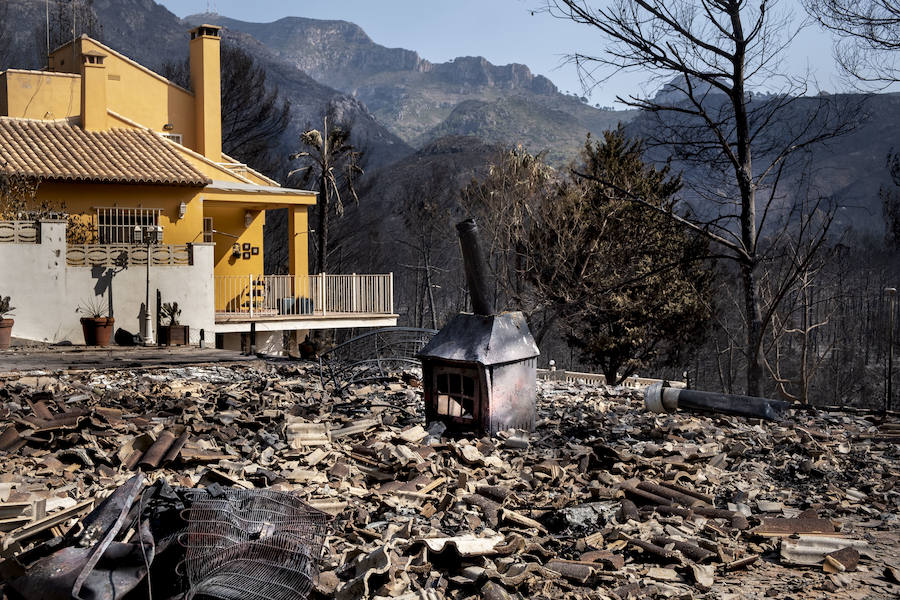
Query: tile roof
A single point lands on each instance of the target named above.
(61, 151)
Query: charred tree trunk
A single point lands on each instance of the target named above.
(322, 227)
(426, 257)
(754, 331)
(744, 175)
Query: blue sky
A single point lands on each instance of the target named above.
(502, 31)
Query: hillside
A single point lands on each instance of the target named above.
(373, 233)
(515, 120)
(849, 169)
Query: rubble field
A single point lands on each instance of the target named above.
(602, 500)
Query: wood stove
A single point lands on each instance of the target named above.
(479, 372)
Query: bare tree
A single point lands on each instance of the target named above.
(66, 20)
(426, 215)
(890, 203)
(253, 112)
(714, 52)
(506, 202)
(869, 36)
(793, 355)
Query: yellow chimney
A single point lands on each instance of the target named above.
(93, 91)
(206, 81)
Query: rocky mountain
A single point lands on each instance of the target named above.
(420, 101)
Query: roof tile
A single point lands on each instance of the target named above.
(58, 150)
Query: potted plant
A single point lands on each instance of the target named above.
(172, 334)
(5, 324)
(96, 324)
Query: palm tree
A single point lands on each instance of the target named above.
(334, 164)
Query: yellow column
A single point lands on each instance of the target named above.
(298, 243)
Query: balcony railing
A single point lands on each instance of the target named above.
(264, 296)
(113, 255)
(20, 232)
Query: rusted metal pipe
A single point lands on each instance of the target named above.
(661, 398)
(476, 268)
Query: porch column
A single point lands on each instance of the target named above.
(298, 242)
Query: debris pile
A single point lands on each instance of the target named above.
(602, 500)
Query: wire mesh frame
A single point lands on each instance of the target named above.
(374, 355)
(251, 545)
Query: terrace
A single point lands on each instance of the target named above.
(273, 302)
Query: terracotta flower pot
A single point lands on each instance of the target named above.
(97, 330)
(5, 332)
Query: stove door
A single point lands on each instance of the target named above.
(457, 394)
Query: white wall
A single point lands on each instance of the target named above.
(267, 342)
(46, 292)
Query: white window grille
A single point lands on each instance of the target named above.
(175, 137)
(207, 229)
(116, 225)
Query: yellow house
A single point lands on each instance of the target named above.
(139, 160)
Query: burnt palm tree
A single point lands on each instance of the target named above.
(333, 163)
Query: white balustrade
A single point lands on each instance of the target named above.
(262, 296)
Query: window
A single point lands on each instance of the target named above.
(175, 137)
(207, 229)
(456, 391)
(116, 225)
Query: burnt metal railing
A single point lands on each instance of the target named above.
(252, 544)
(374, 356)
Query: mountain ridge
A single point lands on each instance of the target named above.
(316, 33)
(415, 98)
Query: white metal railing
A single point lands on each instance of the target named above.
(20, 232)
(260, 296)
(112, 255)
(599, 379)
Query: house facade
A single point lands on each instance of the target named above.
(136, 164)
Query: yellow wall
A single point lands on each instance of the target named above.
(135, 92)
(229, 219)
(85, 198)
(36, 95)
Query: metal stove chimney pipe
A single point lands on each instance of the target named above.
(476, 269)
(661, 398)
